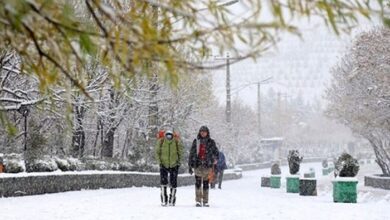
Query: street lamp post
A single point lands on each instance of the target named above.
(265, 81)
(228, 95)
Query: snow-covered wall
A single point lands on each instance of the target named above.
(41, 183)
(255, 166)
(377, 181)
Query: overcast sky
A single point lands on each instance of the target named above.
(298, 66)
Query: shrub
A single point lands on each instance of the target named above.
(96, 165)
(346, 166)
(14, 166)
(294, 160)
(126, 166)
(75, 164)
(41, 165)
(114, 165)
(275, 169)
(13, 163)
(63, 164)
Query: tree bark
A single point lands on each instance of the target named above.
(78, 139)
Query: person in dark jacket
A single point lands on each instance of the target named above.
(221, 166)
(203, 155)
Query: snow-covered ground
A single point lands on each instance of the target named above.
(238, 199)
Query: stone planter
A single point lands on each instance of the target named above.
(307, 187)
(292, 184)
(265, 181)
(344, 189)
(275, 181)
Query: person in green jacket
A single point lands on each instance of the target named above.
(169, 153)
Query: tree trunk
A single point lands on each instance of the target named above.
(78, 139)
(125, 148)
(108, 144)
(153, 91)
(380, 154)
(98, 130)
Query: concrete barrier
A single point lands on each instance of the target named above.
(40, 183)
(377, 181)
(256, 166)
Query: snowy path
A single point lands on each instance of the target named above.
(239, 199)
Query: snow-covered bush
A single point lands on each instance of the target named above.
(294, 160)
(14, 166)
(114, 165)
(46, 164)
(126, 166)
(62, 164)
(275, 169)
(75, 164)
(69, 164)
(13, 163)
(346, 166)
(96, 165)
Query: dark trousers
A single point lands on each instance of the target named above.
(172, 176)
(202, 178)
(219, 177)
(198, 183)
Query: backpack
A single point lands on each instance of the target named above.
(211, 175)
(2, 168)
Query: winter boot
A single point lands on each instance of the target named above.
(198, 204)
(172, 197)
(164, 195)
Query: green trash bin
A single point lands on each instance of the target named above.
(275, 181)
(307, 187)
(265, 181)
(345, 190)
(292, 183)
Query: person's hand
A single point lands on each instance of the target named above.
(190, 171)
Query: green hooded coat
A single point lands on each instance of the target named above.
(169, 153)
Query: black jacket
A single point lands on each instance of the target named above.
(211, 153)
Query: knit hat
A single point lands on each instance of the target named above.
(204, 128)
